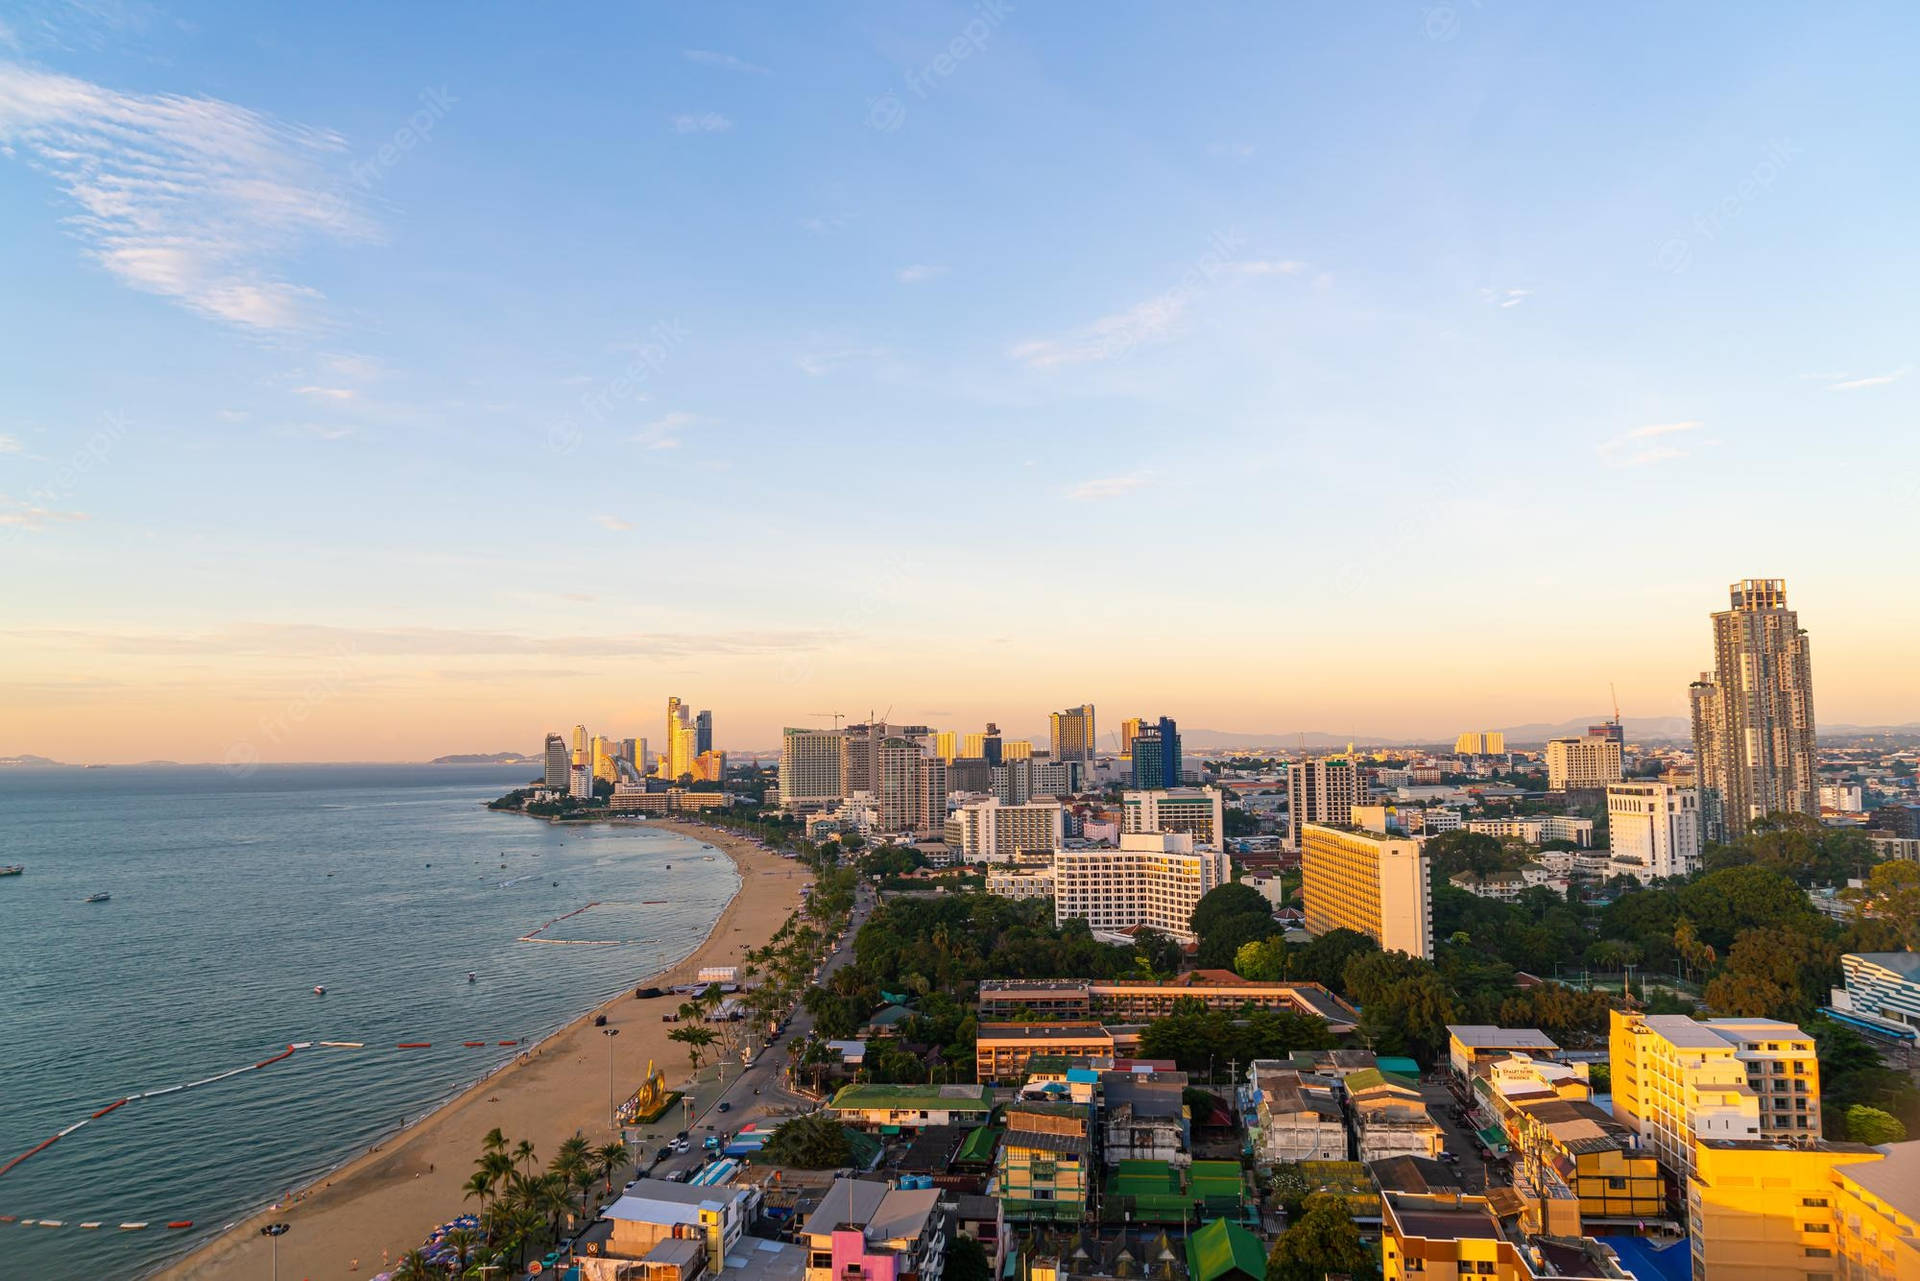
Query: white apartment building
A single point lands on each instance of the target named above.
(1322, 791)
(1200, 812)
(580, 781)
(1023, 879)
(1153, 880)
(810, 769)
(1844, 798)
(1589, 762)
(991, 832)
(1437, 820)
(1536, 829)
(1654, 829)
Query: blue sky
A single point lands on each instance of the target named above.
(1388, 368)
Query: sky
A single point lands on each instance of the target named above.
(382, 381)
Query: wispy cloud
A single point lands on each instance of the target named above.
(1505, 297)
(1264, 267)
(1875, 380)
(821, 226)
(189, 198)
(816, 364)
(1643, 445)
(614, 523)
(11, 445)
(701, 122)
(17, 515)
(325, 393)
(919, 273)
(724, 61)
(1107, 487)
(664, 432)
(1108, 337)
(314, 639)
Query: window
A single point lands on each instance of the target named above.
(1814, 1202)
(1818, 1252)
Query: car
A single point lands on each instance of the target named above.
(725, 1106)
(677, 1176)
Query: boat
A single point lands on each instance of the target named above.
(101, 897)
(12, 869)
(319, 989)
(472, 977)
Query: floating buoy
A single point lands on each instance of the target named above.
(509, 1042)
(133, 1227)
(472, 1044)
(413, 1045)
(90, 1226)
(181, 1223)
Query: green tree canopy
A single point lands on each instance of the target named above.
(1871, 1125)
(815, 1141)
(1321, 1242)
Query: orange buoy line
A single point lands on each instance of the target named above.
(534, 935)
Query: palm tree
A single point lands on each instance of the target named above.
(608, 1158)
(477, 1185)
(523, 1154)
(573, 1166)
(695, 1038)
(462, 1242)
(414, 1267)
(553, 1200)
(494, 1141)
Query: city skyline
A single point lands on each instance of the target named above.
(433, 385)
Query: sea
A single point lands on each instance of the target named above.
(236, 892)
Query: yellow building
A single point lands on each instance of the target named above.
(1017, 749)
(1369, 882)
(1677, 1081)
(1877, 1214)
(1763, 1210)
(1129, 730)
(1001, 1050)
(1440, 1236)
(1044, 1159)
(946, 745)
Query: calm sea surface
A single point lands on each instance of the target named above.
(232, 897)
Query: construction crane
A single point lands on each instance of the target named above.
(837, 717)
(1615, 695)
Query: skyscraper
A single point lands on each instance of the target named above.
(677, 759)
(810, 767)
(1129, 729)
(1753, 731)
(1322, 791)
(1072, 733)
(703, 733)
(557, 761)
(1156, 755)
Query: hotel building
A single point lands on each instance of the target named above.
(1654, 829)
(557, 763)
(810, 768)
(1322, 791)
(1369, 882)
(1071, 734)
(990, 832)
(1153, 880)
(1200, 812)
(1576, 764)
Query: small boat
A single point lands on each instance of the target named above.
(472, 977)
(319, 989)
(12, 869)
(101, 897)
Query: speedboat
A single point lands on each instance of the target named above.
(101, 897)
(319, 989)
(12, 869)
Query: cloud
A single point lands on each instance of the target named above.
(701, 122)
(314, 639)
(1265, 267)
(1505, 297)
(821, 226)
(724, 61)
(16, 515)
(614, 523)
(325, 393)
(1107, 487)
(816, 364)
(189, 198)
(664, 432)
(1108, 337)
(11, 445)
(919, 273)
(1634, 448)
(1877, 380)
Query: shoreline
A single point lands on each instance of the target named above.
(391, 1196)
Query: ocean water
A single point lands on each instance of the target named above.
(232, 897)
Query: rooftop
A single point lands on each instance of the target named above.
(1905, 964)
(911, 1097)
(1043, 1032)
(1485, 1036)
(1895, 1180)
(880, 1212)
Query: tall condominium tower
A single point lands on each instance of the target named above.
(1156, 755)
(810, 768)
(703, 733)
(1322, 791)
(1753, 714)
(1072, 734)
(677, 759)
(557, 761)
(1129, 729)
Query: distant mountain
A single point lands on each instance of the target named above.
(1213, 740)
(29, 760)
(1640, 729)
(491, 758)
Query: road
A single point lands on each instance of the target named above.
(754, 1093)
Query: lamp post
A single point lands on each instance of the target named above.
(613, 1106)
(273, 1232)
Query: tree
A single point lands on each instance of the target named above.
(1221, 945)
(415, 1267)
(815, 1141)
(1324, 961)
(1775, 971)
(967, 1261)
(609, 1158)
(1872, 1126)
(696, 1039)
(1410, 1017)
(1267, 961)
(1891, 896)
(1155, 952)
(1320, 1242)
(1225, 901)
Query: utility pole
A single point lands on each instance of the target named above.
(613, 1103)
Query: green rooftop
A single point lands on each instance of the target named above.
(912, 1098)
(980, 1145)
(1225, 1249)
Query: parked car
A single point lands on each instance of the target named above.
(725, 1106)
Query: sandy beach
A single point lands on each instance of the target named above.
(387, 1200)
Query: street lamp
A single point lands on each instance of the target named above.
(273, 1232)
(613, 1107)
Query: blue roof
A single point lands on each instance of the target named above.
(1398, 1066)
(1650, 1262)
(1083, 1076)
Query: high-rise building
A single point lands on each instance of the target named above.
(1775, 1211)
(1071, 734)
(1574, 764)
(1654, 828)
(1200, 812)
(1155, 879)
(990, 747)
(557, 761)
(1156, 755)
(1489, 742)
(677, 760)
(703, 733)
(1129, 730)
(991, 832)
(1369, 882)
(582, 750)
(580, 780)
(946, 745)
(910, 792)
(1323, 790)
(810, 767)
(1753, 727)
(606, 754)
(1017, 749)
(1678, 1081)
